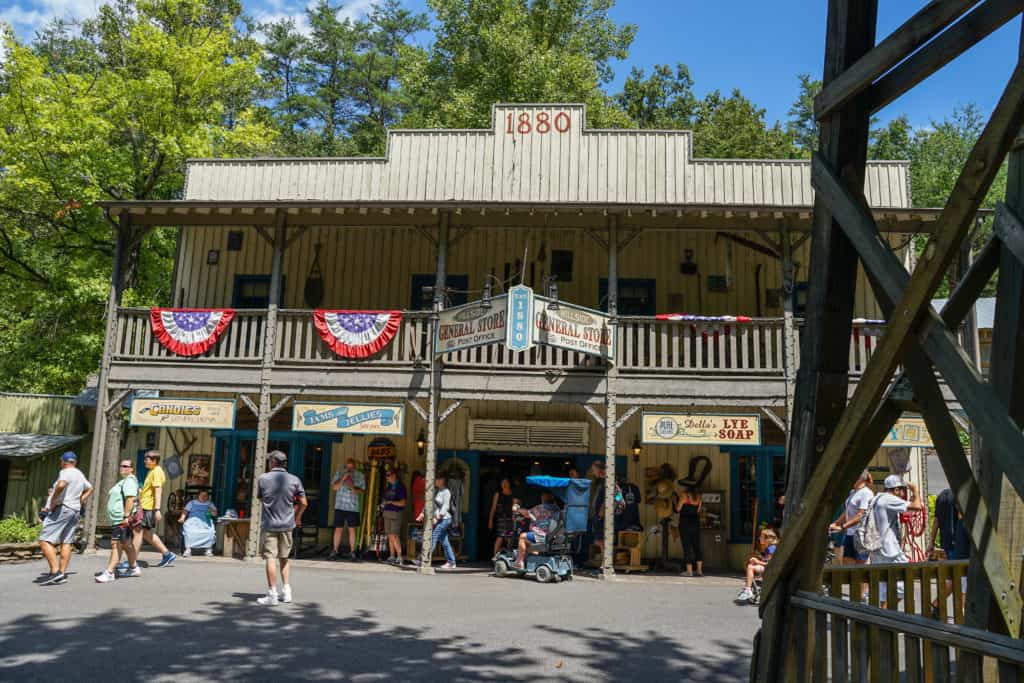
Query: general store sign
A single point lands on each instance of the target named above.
(574, 327)
(908, 432)
(474, 324)
(182, 412)
(701, 429)
(348, 418)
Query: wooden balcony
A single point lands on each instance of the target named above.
(658, 361)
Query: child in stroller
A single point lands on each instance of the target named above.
(545, 549)
(751, 593)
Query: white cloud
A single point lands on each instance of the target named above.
(276, 10)
(28, 16)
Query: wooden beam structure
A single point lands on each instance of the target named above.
(831, 439)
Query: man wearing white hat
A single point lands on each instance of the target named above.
(898, 496)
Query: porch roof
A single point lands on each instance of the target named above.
(15, 445)
(709, 217)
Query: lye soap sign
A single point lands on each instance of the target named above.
(474, 324)
(701, 429)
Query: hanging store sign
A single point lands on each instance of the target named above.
(519, 327)
(701, 429)
(474, 324)
(573, 327)
(908, 432)
(182, 412)
(348, 418)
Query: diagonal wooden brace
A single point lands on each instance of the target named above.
(1008, 228)
(596, 416)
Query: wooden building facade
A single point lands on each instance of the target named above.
(621, 222)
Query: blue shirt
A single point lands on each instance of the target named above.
(394, 492)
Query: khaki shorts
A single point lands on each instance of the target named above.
(393, 522)
(275, 544)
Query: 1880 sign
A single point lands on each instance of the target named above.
(541, 122)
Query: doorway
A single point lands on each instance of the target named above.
(516, 467)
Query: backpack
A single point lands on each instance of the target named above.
(868, 538)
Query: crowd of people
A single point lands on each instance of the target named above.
(134, 513)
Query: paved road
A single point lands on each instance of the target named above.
(198, 620)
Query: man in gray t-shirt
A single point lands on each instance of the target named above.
(60, 515)
(283, 502)
(898, 497)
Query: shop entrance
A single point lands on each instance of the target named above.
(516, 467)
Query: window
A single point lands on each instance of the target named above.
(800, 299)
(253, 291)
(636, 296)
(235, 240)
(561, 265)
(758, 479)
(418, 302)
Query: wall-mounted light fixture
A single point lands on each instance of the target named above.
(637, 448)
(421, 444)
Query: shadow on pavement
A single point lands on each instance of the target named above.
(239, 640)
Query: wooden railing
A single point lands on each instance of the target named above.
(644, 345)
(242, 341)
(846, 640)
(299, 342)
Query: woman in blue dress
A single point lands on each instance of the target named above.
(197, 524)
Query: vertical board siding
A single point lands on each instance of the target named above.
(644, 167)
(372, 268)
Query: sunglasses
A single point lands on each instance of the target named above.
(128, 466)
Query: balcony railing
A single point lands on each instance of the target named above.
(643, 346)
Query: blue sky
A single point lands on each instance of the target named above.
(758, 47)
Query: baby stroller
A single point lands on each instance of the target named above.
(551, 561)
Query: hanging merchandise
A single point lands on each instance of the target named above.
(314, 291)
(189, 331)
(357, 334)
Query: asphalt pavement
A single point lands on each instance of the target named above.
(366, 622)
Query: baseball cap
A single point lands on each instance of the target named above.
(894, 481)
(69, 456)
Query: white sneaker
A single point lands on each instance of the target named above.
(448, 565)
(286, 593)
(209, 552)
(269, 599)
(745, 595)
(104, 577)
(187, 553)
(129, 572)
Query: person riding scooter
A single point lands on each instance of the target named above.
(540, 517)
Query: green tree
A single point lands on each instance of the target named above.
(110, 112)
(664, 99)
(802, 126)
(734, 128)
(488, 51)
(894, 141)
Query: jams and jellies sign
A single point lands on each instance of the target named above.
(908, 432)
(701, 429)
(573, 327)
(182, 412)
(473, 324)
(348, 418)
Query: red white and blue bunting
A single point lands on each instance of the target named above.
(357, 334)
(189, 331)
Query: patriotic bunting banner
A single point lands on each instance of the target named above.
(357, 334)
(704, 318)
(189, 331)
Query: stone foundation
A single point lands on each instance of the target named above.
(19, 552)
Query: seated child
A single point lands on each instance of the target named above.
(540, 517)
(757, 563)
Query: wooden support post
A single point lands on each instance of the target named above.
(1006, 377)
(790, 340)
(102, 429)
(265, 410)
(823, 378)
(610, 420)
(436, 364)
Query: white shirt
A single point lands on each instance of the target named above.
(77, 484)
(887, 516)
(857, 502)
